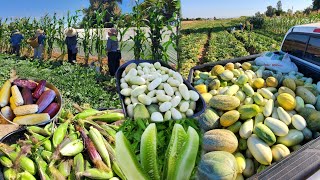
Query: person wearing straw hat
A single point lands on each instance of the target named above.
(40, 36)
(15, 41)
(114, 54)
(72, 44)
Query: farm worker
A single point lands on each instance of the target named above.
(72, 44)
(114, 54)
(39, 50)
(15, 40)
(241, 26)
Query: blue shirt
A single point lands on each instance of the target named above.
(41, 39)
(16, 39)
(72, 43)
(112, 44)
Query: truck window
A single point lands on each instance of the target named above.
(313, 50)
(295, 44)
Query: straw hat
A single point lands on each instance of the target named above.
(16, 31)
(39, 31)
(113, 31)
(70, 32)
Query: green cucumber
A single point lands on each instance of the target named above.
(177, 140)
(127, 160)
(187, 157)
(148, 152)
(264, 133)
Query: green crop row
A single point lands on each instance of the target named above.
(224, 45)
(256, 43)
(191, 46)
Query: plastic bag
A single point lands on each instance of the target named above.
(276, 62)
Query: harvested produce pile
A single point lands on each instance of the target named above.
(27, 102)
(80, 146)
(257, 117)
(180, 157)
(156, 92)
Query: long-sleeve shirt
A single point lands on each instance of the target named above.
(41, 39)
(16, 39)
(112, 44)
(72, 43)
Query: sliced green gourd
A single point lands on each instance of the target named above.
(187, 157)
(127, 160)
(148, 152)
(177, 140)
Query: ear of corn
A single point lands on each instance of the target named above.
(32, 119)
(24, 162)
(78, 164)
(46, 142)
(148, 151)
(5, 161)
(86, 113)
(16, 96)
(109, 117)
(97, 139)
(65, 167)
(9, 174)
(25, 109)
(12, 103)
(38, 130)
(46, 155)
(5, 93)
(56, 173)
(7, 113)
(72, 148)
(59, 134)
(42, 168)
(94, 173)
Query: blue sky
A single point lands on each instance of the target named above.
(38, 8)
(234, 8)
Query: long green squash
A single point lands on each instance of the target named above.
(148, 151)
(176, 143)
(127, 160)
(187, 158)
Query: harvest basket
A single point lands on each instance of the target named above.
(58, 100)
(33, 42)
(200, 104)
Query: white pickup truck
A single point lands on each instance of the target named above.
(302, 43)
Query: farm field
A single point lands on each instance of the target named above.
(207, 41)
(77, 84)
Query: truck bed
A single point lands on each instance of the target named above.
(300, 164)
